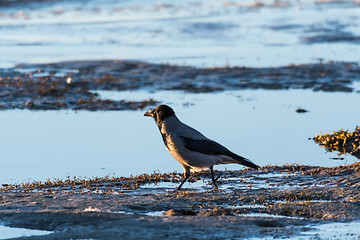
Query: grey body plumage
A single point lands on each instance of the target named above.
(189, 147)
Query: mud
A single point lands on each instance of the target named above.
(275, 201)
(54, 87)
(69, 85)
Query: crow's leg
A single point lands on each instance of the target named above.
(186, 176)
(213, 179)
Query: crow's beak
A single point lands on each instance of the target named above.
(148, 113)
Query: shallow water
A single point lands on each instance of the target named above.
(200, 33)
(336, 230)
(261, 125)
(10, 232)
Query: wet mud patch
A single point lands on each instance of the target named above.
(275, 201)
(48, 88)
(70, 85)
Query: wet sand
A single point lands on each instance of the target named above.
(276, 201)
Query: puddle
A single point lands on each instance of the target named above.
(123, 212)
(266, 215)
(155, 213)
(159, 186)
(166, 186)
(104, 143)
(336, 230)
(243, 206)
(10, 232)
(199, 33)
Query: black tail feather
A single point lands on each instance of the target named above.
(244, 161)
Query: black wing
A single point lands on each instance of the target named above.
(210, 147)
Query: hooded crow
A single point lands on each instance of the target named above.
(189, 147)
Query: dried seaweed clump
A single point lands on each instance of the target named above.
(96, 185)
(342, 141)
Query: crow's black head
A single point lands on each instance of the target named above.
(160, 113)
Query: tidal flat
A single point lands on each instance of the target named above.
(280, 200)
(68, 85)
(276, 201)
